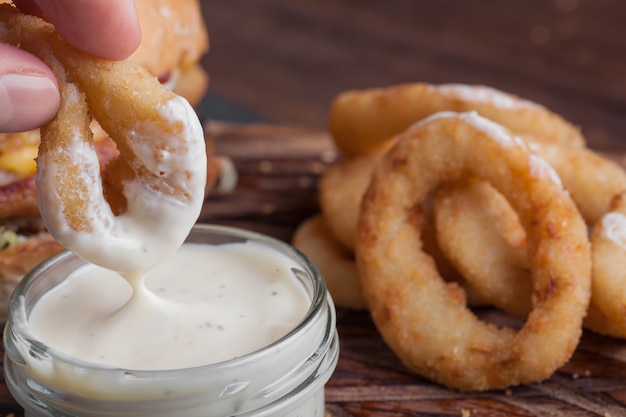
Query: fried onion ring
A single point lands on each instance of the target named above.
(335, 262)
(362, 121)
(415, 311)
(155, 188)
(340, 190)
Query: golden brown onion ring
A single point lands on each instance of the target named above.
(413, 308)
(361, 121)
(155, 187)
(335, 262)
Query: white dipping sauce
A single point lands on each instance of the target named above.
(205, 304)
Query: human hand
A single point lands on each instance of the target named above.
(29, 95)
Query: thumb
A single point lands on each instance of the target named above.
(108, 29)
(29, 95)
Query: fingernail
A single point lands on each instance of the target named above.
(27, 101)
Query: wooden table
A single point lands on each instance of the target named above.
(286, 59)
(282, 62)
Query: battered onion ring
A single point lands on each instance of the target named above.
(412, 307)
(154, 189)
(340, 190)
(335, 262)
(361, 121)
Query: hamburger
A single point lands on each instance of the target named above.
(174, 38)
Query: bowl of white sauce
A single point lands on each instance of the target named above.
(234, 324)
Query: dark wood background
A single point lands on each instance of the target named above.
(280, 62)
(287, 59)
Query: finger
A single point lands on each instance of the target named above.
(29, 95)
(108, 29)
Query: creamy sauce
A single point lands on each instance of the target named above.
(614, 228)
(540, 168)
(205, 304)
(492, 129)
(484, 94)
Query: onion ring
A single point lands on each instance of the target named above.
(608, 284)
(362, 121)
(340, 190)
(154, 189)
(412, 307)
(336, 263)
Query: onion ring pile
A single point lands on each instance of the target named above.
(154, 189)
(471, 237)
(410, 303)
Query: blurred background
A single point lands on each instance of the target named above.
(283, 61)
